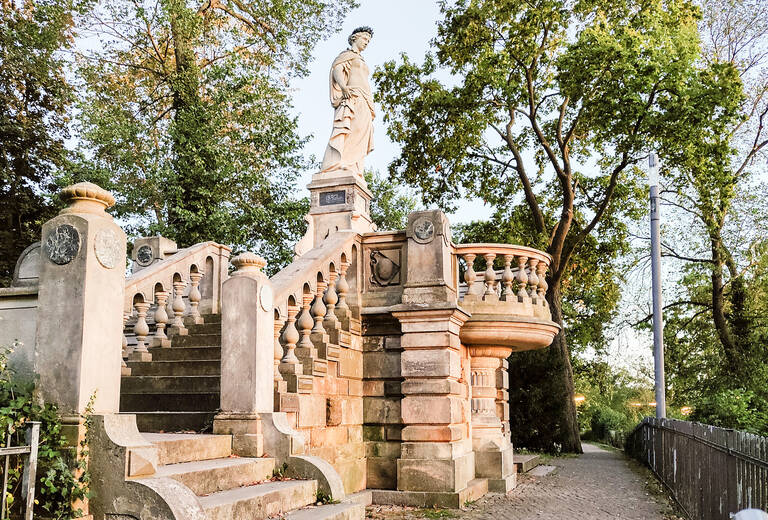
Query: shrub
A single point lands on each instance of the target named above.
(62, 478)
(733, 408)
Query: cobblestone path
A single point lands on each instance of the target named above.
(598, 485)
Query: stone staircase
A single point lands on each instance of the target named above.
(179, 389)
(229, 487)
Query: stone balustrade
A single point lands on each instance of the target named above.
(172, 294)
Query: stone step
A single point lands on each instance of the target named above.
(212, 318)
(174, 448)
(172, 402)
(199, 367)
(259, 501)
(185, 354)
(525, 463)
(169, 384)
(204, 328)
(204, 477)
(329, 512)
(167, 422)
(197, 340)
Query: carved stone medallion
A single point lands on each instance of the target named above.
(144, 255)
(107, 248)
(424, 230)
(265, 298)
(62, 244)
(384, 270)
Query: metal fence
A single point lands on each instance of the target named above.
(711, 472)
(30, 469)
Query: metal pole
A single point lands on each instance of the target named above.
(658, 320)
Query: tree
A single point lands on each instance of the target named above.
(34, 100)
(714, 150)
(185, 115)
(556, 99)
(391, 205)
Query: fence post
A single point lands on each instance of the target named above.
(30, 469)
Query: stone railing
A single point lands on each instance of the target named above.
(312, 308)
(180, 289)
(513, 281)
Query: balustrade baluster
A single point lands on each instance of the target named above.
(342, 287)
(141, 330)
(490, 275)
(305, 321)
(124, 370)
(177, 324)
(507, 278)
(318, 308)
(160, 339)
(290, 337)
(194, 296)
(542, 271)
(522, 278)
(469, 275)
(533, 280)
(331, 298)
(278, 349)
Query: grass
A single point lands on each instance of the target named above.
(437, 513)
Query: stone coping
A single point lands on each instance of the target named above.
(26, 290)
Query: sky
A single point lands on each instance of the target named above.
(395, 32)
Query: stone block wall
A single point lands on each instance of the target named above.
(382, 397)
(330, 416)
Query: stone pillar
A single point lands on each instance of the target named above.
(247, 355)
(80, 309)
(436, 455)
(490, 438)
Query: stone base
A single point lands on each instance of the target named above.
(173, 330)
(495, 464)
(474, 490)
(140, 356)
(189, 320)
(502, 485)
(125, 371)
(436, 475)
(161, 342)
(246, 432)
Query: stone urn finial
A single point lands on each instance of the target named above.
(86, 197)
(248, 263)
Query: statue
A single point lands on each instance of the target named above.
(352, 136)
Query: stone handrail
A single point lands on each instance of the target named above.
(196, 273)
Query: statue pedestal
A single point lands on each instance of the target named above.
(340, 201)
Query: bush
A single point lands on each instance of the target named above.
(734, 408)
(604, 419)
(62, 478)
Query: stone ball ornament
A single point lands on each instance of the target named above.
(62, 244)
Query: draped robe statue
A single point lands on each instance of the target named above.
(352, 136)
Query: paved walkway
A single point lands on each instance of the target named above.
(598, 485)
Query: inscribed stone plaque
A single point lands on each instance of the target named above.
(62, 244)
(144, 255)
(424, 230)
(329, 198)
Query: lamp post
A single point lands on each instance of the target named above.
(658, 320)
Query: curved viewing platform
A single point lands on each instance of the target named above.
(504, 289)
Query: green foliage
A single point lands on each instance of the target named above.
(185, 117)
(734, 408)
(548, 107)
(324, 498)
(62, 477)
(34, 100)
(391, 205)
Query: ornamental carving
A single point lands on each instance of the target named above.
(106, 245)
(62, 244)
(384, 270)
(424, 230)
(144, 255)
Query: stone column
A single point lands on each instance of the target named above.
(80, 309)
(436, 460)
(247, 355)
(490, 438)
